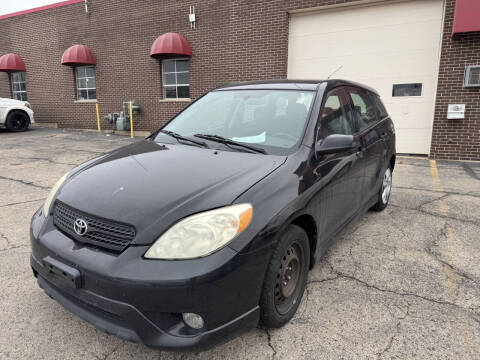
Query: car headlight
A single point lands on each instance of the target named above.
(201, 234)
(27, 104)
(48, 201)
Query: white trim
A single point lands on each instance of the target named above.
(437, 72)
(85, 101)
(175, 100)
(353, 4)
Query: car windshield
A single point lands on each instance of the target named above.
(272, 120)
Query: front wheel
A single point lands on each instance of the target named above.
(385, 190)
(17, 121)
(286, 278)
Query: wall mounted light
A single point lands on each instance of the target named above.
(191, 17)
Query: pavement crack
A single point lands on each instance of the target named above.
(470, 172)
(466, 221)
(22, 202)
(4, 237)
(269, 343)
(28, 183)
(436, 256)
(323, 280)
(46, 159)
(400, 293)
(395, 334)
(13, 247)
(419, 207)
(472, 194)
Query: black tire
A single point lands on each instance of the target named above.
(381, 201)
(17, 121)
(275, 308)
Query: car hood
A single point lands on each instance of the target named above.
(10, 102)
(151, 185)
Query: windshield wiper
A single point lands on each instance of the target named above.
(180, 137)
(226, 141)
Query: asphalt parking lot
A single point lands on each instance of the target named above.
(400, 284)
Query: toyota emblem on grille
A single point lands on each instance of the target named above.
(80, 227)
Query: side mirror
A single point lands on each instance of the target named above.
(334, 144)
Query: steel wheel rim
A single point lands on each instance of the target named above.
(287, 283)
(386, 185)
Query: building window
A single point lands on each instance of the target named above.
(19, 89)
(176, 79)
(86, 87)
(407, 89)
(472, 76)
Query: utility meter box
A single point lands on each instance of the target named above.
(122, 123)
(456, 111)
(135, 107)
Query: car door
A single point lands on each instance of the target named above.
(372, 133)
(3, 107)
(340, 174)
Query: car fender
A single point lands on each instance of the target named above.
(277, 201)
(4, 112)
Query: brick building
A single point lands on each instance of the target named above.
(418, 54)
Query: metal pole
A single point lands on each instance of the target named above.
(98, 118)
(131, 121)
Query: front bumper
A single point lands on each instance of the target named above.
(128, 323)
(142, 300)
(30, 115)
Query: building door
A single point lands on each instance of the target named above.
(392, 47)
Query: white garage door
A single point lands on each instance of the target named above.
(392, 47)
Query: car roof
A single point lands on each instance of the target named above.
(284, 84)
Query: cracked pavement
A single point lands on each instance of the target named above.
(400, 284)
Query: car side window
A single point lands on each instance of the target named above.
(335, 117)
(363, 108)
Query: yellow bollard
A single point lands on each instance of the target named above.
(98, 118)
(131, 121)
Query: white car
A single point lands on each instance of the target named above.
(15, 115)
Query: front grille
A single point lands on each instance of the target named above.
(100, 232)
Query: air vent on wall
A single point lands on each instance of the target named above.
(472, 76)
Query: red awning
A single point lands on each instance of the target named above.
(78, 55)
(170, 44)
(11, 62)
(467, 16)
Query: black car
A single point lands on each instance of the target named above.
(209, 226)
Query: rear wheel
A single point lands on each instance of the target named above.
(385, 190)
(286, 278)
(17, 121)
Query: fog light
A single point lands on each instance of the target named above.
(193, 320)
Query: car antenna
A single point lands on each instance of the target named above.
(329, 76)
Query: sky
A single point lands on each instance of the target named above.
(10, 6)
